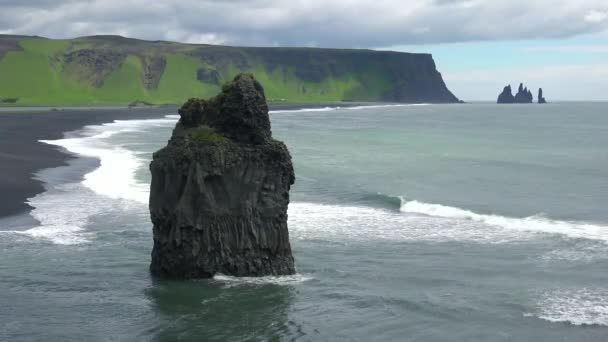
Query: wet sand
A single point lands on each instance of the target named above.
(21, 153)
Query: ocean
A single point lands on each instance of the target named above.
(469, 222)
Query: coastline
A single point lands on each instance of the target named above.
(22, 154)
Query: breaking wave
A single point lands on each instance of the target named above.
(63, 210)
(586, 306)
(372, 216)
(536, 223)
(328, 109)
(394, 218)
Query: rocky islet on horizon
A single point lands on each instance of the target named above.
(524, 95)
(541, 98)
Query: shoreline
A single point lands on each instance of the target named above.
(174, 107)
(22, 154)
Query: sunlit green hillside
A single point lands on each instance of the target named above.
(111, 70)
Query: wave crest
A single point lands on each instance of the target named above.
(328, 109)
(584, 306)
(535, 223)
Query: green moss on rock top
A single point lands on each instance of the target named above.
(208, 135)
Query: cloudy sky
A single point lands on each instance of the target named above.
(479, 45)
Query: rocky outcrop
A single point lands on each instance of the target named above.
(541, 98)
(153, 69)
(524, 95)
(220, 190)
(208, 75)
(405, 77)
(506, 96)
(93, 66)
(7, 45)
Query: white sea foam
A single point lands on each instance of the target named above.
(115, 179)
(322, 109)
(419, 221)
(587, 306)
(328, 109)
(581, 251)
(64, 210)
(311, 221)
(536, 224)
(231, 281)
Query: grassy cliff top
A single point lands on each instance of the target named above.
(114, 70)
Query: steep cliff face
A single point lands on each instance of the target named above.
(113, 70)
(365, 74)
(220, 190)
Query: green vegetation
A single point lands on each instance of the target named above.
(208, 135)
(179, 81)
(112, 70)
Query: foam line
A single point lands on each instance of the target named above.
(536, 223)
(328, 109)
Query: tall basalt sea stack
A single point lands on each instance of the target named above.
(524, 95)
(541, 98)
(220, 190)
(506, 96)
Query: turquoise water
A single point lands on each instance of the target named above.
(428, 223)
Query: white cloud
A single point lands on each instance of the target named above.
(595, 16)
(338, 23)
(588, 48)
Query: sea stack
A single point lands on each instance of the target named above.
(524, 95)
(541, 98)
(506, 96)
(220, 190)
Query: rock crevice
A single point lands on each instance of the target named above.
(220, 190)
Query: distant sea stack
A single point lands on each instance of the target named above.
(506, 96)
(541, 98)
(524, 95)
(220, 190)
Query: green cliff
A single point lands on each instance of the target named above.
(113, 70)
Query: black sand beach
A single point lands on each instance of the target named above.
(21, 153)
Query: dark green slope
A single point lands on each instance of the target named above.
(112, 70)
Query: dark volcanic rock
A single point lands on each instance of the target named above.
(94, 65)
(541, 98)
(154, 67)
(220, 190)
(524, 95)
(409, 77)
(208, 75)
(506, 96)
(7, 45)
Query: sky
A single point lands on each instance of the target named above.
(478, 45)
